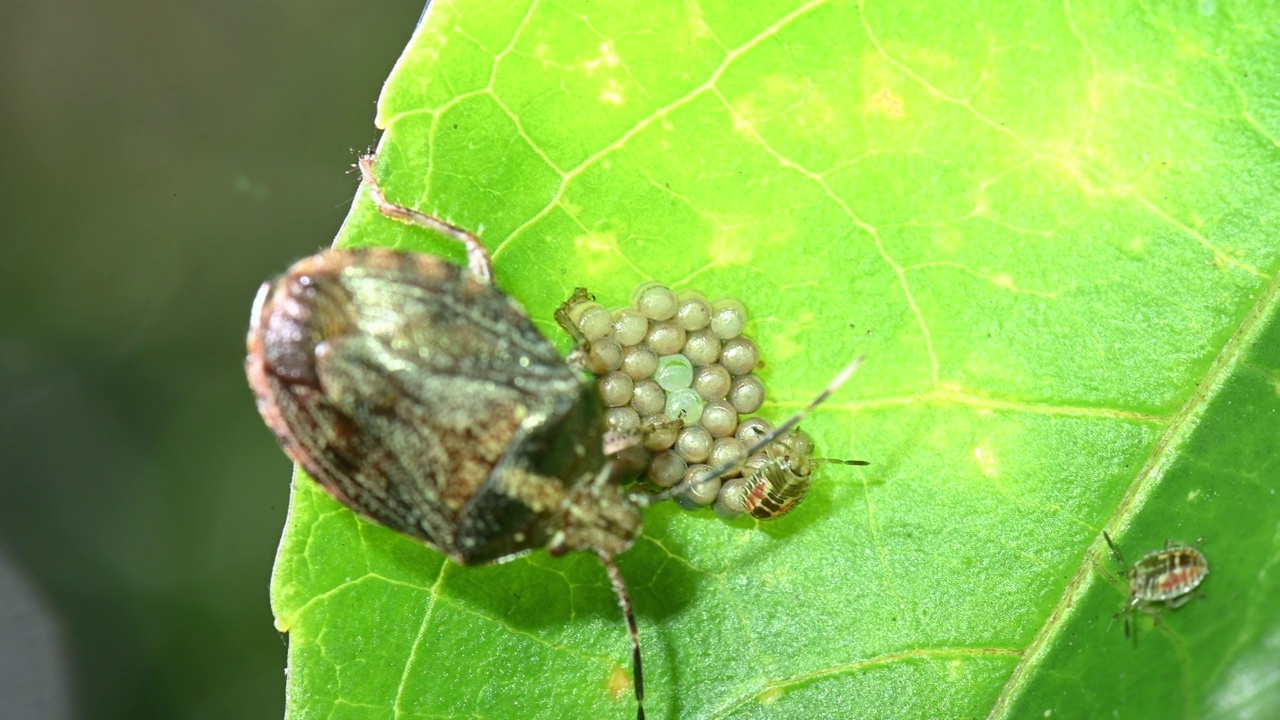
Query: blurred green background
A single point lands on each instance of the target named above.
(161, 160)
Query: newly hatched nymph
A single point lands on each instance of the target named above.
(423, 398)
(775, 484)
(1169, 576)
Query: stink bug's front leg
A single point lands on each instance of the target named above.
(477, 257)
(589, 324)
(564, 316)
(578, 356)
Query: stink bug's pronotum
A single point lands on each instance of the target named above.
(1169, 576)
(423, 398)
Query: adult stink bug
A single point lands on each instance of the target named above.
(423, 398)
(1169, 576)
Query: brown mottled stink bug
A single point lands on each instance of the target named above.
(1168, 576)
(423, 398)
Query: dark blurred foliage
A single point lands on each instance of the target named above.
(160, 161)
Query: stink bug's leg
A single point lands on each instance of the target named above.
(624, 600)
(477, 257)
(764, 440)
(1156, 620)
(578, 355)
(1115, 551)
(580, 295)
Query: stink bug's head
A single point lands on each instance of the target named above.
(792, 452)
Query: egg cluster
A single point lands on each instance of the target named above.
(676, 371)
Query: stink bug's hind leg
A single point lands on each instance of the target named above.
(477, 257)
(1130, 626)
(629, 616)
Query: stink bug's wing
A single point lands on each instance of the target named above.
(518, 507)
(397, 382)
(404, 455)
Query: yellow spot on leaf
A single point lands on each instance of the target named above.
(595, 242)
(608, 58)
(618, 684)
(885, 102)
(599, 251)
(986, 457)
(611, 93)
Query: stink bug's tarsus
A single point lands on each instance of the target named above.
(1168, 577)
(420, 396)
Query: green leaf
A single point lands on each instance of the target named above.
(1049, 229)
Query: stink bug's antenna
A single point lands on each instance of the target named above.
(1115, 551)
(840, 379)
(838, 461)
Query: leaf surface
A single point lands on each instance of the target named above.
(1050, 230)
